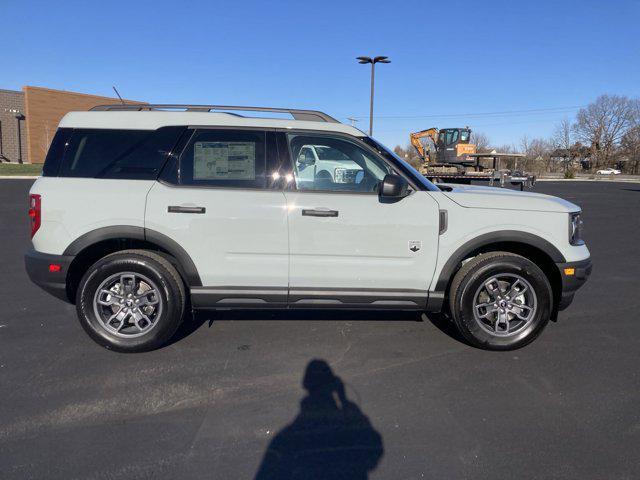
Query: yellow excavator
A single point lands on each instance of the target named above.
(452, 147)
(449, 156)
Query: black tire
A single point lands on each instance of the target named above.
(150, 265)
(473, 275)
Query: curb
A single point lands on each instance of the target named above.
(18, 177)
(597, 180)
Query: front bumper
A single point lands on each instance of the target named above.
(572, 282)
(38, 264)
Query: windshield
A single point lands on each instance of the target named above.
(406, 168)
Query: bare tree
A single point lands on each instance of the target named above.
(481, 141)
(524, 143)
(563, 135)
(401, 152)
(538, 147)
(630, 144)
(563, 144)
(603, 123)
(506, 148)
(409, 154)
(537, 153)
(635, 112)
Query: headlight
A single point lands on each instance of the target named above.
(575, 228)
(340, 175)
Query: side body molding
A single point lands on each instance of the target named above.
(142, 234)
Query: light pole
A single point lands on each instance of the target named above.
(19, 118)
(373, 62)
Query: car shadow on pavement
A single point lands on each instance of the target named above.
(443, 323)
(194, 320)
(330, 438)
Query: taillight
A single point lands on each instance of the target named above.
(35, 212)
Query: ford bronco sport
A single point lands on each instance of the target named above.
(143, 211)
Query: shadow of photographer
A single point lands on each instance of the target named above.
(330, 438)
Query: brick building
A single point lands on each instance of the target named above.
(13, 135)
(29, 118)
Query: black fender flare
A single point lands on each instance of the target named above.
(512, 236)
(139, 233)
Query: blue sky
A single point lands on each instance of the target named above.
(449, 63)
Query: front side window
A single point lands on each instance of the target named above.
(224, 158)
(325, 163)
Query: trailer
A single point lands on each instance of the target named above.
(474, 171)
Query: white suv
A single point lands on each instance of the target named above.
(144, 211)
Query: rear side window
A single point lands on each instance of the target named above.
(224, 158)
(118, 154)
(56, 152)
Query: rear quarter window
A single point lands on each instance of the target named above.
(56, 152)
(117, 154)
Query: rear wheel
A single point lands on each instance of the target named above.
(131, 301)
(500, 301)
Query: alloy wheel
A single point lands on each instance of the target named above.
(128, 304)
(504, 304)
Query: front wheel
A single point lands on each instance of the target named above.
(131, 301)
(500, 301)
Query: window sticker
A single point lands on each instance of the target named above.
(224, 161)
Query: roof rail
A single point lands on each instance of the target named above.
(308, 115)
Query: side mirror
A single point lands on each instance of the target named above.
(393, 187)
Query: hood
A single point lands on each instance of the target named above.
(472, 196)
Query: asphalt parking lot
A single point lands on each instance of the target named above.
(417, 402)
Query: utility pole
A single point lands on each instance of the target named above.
(373, 62)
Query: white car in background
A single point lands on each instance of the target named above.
(317, 163)
(608, 171)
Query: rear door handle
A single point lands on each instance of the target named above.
(319, 212)
(184, 209)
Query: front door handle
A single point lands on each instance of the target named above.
(185, 209)
(319, 212)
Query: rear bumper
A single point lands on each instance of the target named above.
(571, 283)
(37, 266)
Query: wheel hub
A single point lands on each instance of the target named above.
(504, 304)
